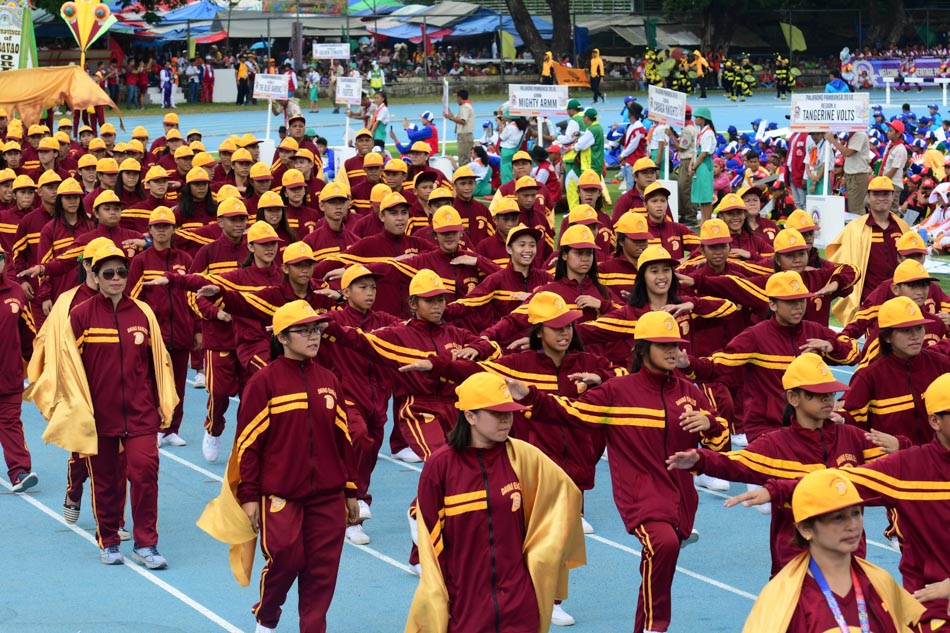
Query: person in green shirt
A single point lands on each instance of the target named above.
(590, 153)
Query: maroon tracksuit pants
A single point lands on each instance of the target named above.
(224, 377)
(366, 432)
(180, 370)
(661, 550)
(424, 422)
(302, 540)
(12, 441)
(109, 484)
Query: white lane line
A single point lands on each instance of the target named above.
(187, 464)
(683, 570)
(399, 462)
(144, 573)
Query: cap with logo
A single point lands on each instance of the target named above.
(577, 236)
(231, 207)
(657, 326)
(787, 286)
(789, 241)
(811, 373)
(550, 309)
(485, 391)
(714, 231)
(801, 221)
(297, 312)
(161, 215)
(633, 226)
(900, 312)
(821, 492)
(354, 272)
(298, 252)
(582, 214)
(426, 283)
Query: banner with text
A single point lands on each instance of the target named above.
(11, 34)
(271, 87)
(830, 112)
(348, 90)
(875, 70)
(536, 100)
(573, 77)
(331, 51)
(667, 107)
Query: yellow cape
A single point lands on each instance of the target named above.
(852, 246)
(553, 545)
(29, 91)
(59, 387)
(775, 606)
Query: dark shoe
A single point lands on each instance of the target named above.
(25, 481)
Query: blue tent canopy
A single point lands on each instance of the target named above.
(193, 12)
(488, 23)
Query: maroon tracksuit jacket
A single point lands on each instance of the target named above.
(494, 298)
(218, 257)
(169, 304)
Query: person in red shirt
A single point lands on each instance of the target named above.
(644, 415)
(131, 192)
(295, 470)
(107, 172)
(363, 142)
(373, 169)
(746, 245)
(331, 237)
(222, 170)
(828, 588)
(283, 157)
(7, 201)
(119, 342)
(170, 305)
(136, 216)
(645, 173)
(586, 214)
(302, 219)
(58, 236)
(482, 501)
(17, 325)
(675, 237)
(11, 219)
(761, 226)
(620, 271)
(521, 165)
(506, 216)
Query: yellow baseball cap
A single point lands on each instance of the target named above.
(463, 172)
(241, 156)
(161, 215)
(270, 200)
(248, 140)
(261, 233)
(107, 128)
(909, 271)
(7, 175)
(118, 148)
(297, 312)
(802, 222)
(354, 272)
(89, 251)
(61, 138)
(35, 130)
(789, 241)
(196, 146)
(811, 373)
(633, 225)
(526, 182)
(260, 171)
(289, 144)
(655, 189)
(485, 391)
(787, 285)
(106, 197)
(937, 395)
(306, 153)
(521, 155)
(522, 229)
(155, 173)
(729, 202)
(107, 165)
(130, 164)
(880, 183)
(69, 187)
(589, 180)
(196, 132)
(227, 191)
(11, 146)
(109, 251)
(173, 135)
(550, 309)
(396, 164)
(197, 174)
(139, 132)
(23, 182)
(292, 179)
(298, 252)
(900, 312)
(227, 146)
(577, 236)
(426, 283)
(911, 243)
(446, 219)
(332, 191)
(49, 177)
(714, 231)
(644, 163)
(364, 132)
(64, 123)
(96, 145)
(231, 207)
(420, 146)
(136, 146)
(657, 326)
(582, 214)
(184, 152)
(48, 143)
(373, 159)
(87, 160)
(823, 491)
(171, 117)
(393, 199)
(655, 254)
(202, 159)
(441, 193)
(379, 192)
(505, 205)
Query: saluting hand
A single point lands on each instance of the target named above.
(464, 260)
(887, 443)
(520, 344)
(829, 289)
(694, 421)
(683, 460)
(32, 271)
(588, 378)
(755, 497)
(336, 273)
(419, 365)
(519, 390)
(677, 309)
(253, 511)
(685, 280)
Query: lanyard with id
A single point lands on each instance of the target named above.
(833, 602)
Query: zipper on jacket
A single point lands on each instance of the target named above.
(560, 427)
(491, 543)
(824, 446)
(118, 331)
(303, 379)
(913, 397)
(171, 303)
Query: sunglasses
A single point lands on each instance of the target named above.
(111, 273)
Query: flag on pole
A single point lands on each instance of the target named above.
(507, 45)
(793, 37)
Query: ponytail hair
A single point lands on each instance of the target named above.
(460, 437)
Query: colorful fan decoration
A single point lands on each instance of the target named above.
(88, 20)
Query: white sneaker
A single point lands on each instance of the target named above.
(161, 439)
(408, 455)
(587, 527)
(692, 538)
(149, 557)
(604, 456)
(365, 513)
(739, 439)
(173, 439)
(416, 569)
(765, 508)
(111, 556)
(356, 535)
(200, 384)
(211, 447)
(263, 629)
(124, 535)
(711, 483)
(560, 617)
(413, 528)
(895, 544)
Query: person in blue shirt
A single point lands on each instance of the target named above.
(836, 83)
(329, 172)
(935, 115)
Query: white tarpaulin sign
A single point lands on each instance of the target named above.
(829, 214)
(830, 112)
(331, 51)
(348, 90)
(271, 86)
(11, 34)
(537, 100)
(667, 107)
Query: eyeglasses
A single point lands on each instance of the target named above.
(308, 332)
(111, 273)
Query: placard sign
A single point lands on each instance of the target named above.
(667, 107)
(830, 112)
(348, 90)
(537, 100)
(271, 86)
(331, 51)
(11, 34)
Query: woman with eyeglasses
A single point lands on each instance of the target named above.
(132, 390)
(291, 471)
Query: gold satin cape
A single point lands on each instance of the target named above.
(775, 606)
(58, 384)
(853, 246)
(29, 91)
(553, 545)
